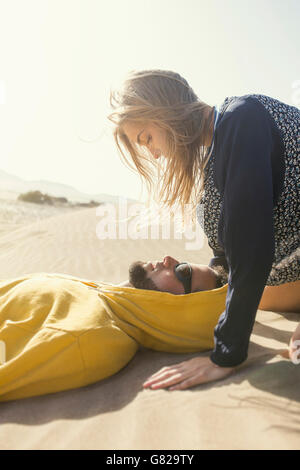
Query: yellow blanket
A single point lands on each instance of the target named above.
(59, 332)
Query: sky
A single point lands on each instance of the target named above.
(59, 59)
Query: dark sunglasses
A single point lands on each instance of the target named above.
(183, 272)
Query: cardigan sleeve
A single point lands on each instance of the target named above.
(243, 175)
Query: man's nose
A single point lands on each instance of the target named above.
(148, 266)
(169, 261)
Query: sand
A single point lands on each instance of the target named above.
(256, 408)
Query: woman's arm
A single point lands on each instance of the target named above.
(244, 178)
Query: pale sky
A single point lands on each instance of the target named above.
(59, 59)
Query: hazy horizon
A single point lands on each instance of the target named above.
(11, 186)
(60, 58)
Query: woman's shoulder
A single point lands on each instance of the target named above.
(237, 106)
(253, 106)
(251, 111)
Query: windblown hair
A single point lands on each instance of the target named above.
(165, 99)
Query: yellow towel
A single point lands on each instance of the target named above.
(59, 332)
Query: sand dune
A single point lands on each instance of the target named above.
(257, 408)
(68, 243)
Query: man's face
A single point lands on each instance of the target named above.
(163, 275)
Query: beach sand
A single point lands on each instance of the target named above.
(256, 408)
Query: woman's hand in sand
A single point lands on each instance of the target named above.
(198, 370)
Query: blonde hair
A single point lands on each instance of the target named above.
(165, 99)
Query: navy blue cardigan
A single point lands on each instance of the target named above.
(249, 174)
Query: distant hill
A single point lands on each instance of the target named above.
(13, 186)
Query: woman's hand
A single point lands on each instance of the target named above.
(198, 370)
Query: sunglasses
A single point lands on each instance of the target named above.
(183, 272)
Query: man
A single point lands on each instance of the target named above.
(166, 276)
(177, 278)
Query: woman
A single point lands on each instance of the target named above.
(239, 165)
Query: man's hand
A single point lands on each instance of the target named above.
(198, 370)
